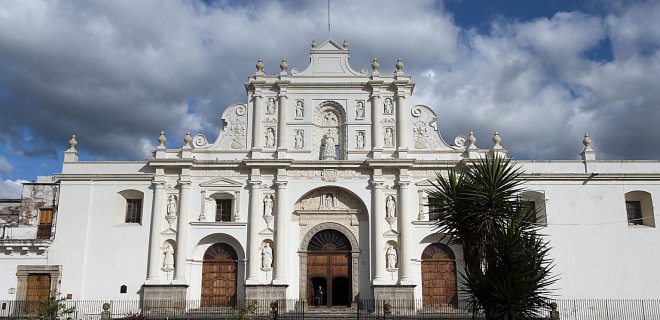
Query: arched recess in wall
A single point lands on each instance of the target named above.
(329, 125)
(129, 207)
(639, 208)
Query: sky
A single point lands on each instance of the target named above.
(116, 73)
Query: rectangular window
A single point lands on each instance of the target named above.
(434, 207)
(133, 210)
(45, 226)
(634, 211)
(223, 209)
(530, 206)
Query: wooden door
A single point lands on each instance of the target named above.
(329, 265)
(38, 289)
(439, 276)
(45, 223)
(219, 276)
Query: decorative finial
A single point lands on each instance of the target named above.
(284, 65)
(399, 65)
(345, 45)
(187, 139)
(162, 139)
(260, 65)
(73, 143)
(313, 44)
(496, 140)
(375, 65)
(471, 140)
(587, 142)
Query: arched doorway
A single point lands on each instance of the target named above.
(219, 276)
(329, 267)
(439, 276)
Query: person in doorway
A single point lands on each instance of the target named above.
(318, 296)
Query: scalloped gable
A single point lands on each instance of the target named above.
(329, 59)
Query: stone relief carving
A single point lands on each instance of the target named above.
(359, 140)
(330, 199)
(329, 175)
(390, 207)
(300, 109)
(388, 107)
(389, 137)
(234, 132)
(270, 137)
(425, 130)
(359, 110)
(391, 257)
(268, 205)
(270, 106)
(267, 257)
(330, 119)
(299, 139)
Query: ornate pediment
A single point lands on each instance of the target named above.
(329, 59)
(221, 182)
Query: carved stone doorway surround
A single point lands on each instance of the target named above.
(355, 254)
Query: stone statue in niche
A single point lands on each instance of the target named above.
(299, 139)
(329, 119)
(359, 110)
(300, 108)
(171, 205)
(359, 140)
(267, 257)
(389, 107)
(389, 137)
(270, 137)
(390, 207)
(329, 144)
(268, 205)
(168, 261)
(391, 257)
(270, 106)
(329, 200)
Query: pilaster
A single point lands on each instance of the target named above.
(402, 131)
(377, 228)
(182, 229)
(281, 220)
(405, 229)
(257, 126)
(154, 236)
(253, 275)
(376, 119)
(281, 121)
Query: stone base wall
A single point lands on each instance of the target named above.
(265, 292)
(159, 297)
(401, 298)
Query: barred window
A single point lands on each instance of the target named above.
(434, 208)
(223, 209)
(133, 211)
(634, 211)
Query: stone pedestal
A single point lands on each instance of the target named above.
(265, 292)
(164, 297)
(400, 297)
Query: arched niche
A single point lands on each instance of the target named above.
(329, 120)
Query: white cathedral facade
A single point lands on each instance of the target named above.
(318, 180)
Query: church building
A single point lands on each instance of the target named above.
(318, 179)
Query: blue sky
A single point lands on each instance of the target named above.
(116, 73)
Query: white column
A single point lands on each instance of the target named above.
(377, 227)
(376, 128)
(401, 125)
(254, 261)
(182, 233)
(257, 127)
(407, 245)
(153, 268)
(281, 126)
(281, 217)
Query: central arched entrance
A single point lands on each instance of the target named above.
(219, 276)
(329, 267)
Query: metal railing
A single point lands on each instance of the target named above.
(602, 309)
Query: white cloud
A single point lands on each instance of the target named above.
(5, 166)
(11, 189)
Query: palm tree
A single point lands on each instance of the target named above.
(507, 269)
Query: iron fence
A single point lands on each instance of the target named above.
(301, 309)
